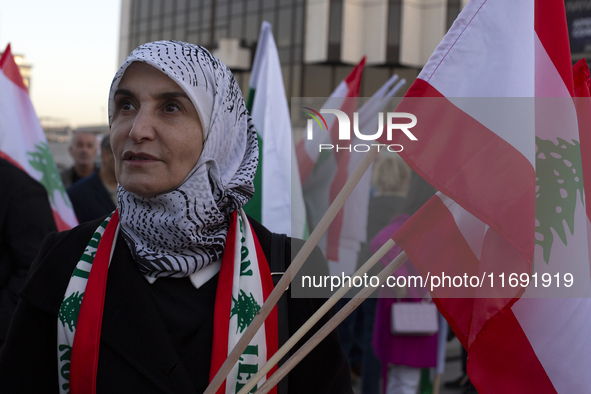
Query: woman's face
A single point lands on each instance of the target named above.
(156, 133)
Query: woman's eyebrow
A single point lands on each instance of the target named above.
(167, 95)
(124, 92)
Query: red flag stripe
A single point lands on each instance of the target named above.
(511, 176)
(60, 223)
(472, 319)
(353, 80)
(333, 235)
(582, 79)
(553, 34)
(85, 349)
(422, 240)
(7, 157)
(451, 256)
(502, 360)
(271, 335)
(223, 302)
(497, 256)
(10, 69)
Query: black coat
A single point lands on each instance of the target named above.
(137, 353)
(90, 198)
(25, 219)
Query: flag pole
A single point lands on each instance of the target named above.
(292, 270)
(330, 326)
(437, 383)
(303, 330)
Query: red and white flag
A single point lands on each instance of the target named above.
(356, 208)
(511, 199)
(324, 175)
(23, 142)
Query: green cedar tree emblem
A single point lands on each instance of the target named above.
(245, 308)
(69, 310)
(42, 160)
(559, 176)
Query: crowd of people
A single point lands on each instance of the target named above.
(161, 217)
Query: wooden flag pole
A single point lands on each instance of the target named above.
(292, 270)
(437, 383)
(330, 326)
(290, 343)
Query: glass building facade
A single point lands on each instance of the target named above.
(311, 35)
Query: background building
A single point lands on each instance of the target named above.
(24, 68)
(319, 41)
(578, 18)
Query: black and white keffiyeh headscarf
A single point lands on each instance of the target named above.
(183, 230)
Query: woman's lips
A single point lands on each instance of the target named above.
(138, 158)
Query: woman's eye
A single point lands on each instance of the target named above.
(126, 105)
(172, 107)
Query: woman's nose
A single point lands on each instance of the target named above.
(143, 126)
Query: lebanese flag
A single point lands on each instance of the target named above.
(324, 175)
(321, 178)
(353, 231)
(278, 202)
(23, 143)
(511, 198)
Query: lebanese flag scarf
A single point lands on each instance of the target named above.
(244, 284)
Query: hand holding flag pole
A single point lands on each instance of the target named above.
(297, 263)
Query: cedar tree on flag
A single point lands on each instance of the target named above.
(23, 142)
(511, 197)
(278, 202)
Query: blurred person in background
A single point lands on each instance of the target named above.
(96, 195)
(25, 219)
(83, 150)
(390, 177)
(402, 356)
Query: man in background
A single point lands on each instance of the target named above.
(25, 219)
(83, 150)
(96, 195)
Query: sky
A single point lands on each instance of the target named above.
(72, 46)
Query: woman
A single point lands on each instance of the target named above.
(186, 271)
(402, 356)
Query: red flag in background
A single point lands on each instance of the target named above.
(324, 174)
(23, 142)
(511, 199)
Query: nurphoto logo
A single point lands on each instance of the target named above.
(392, 124)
